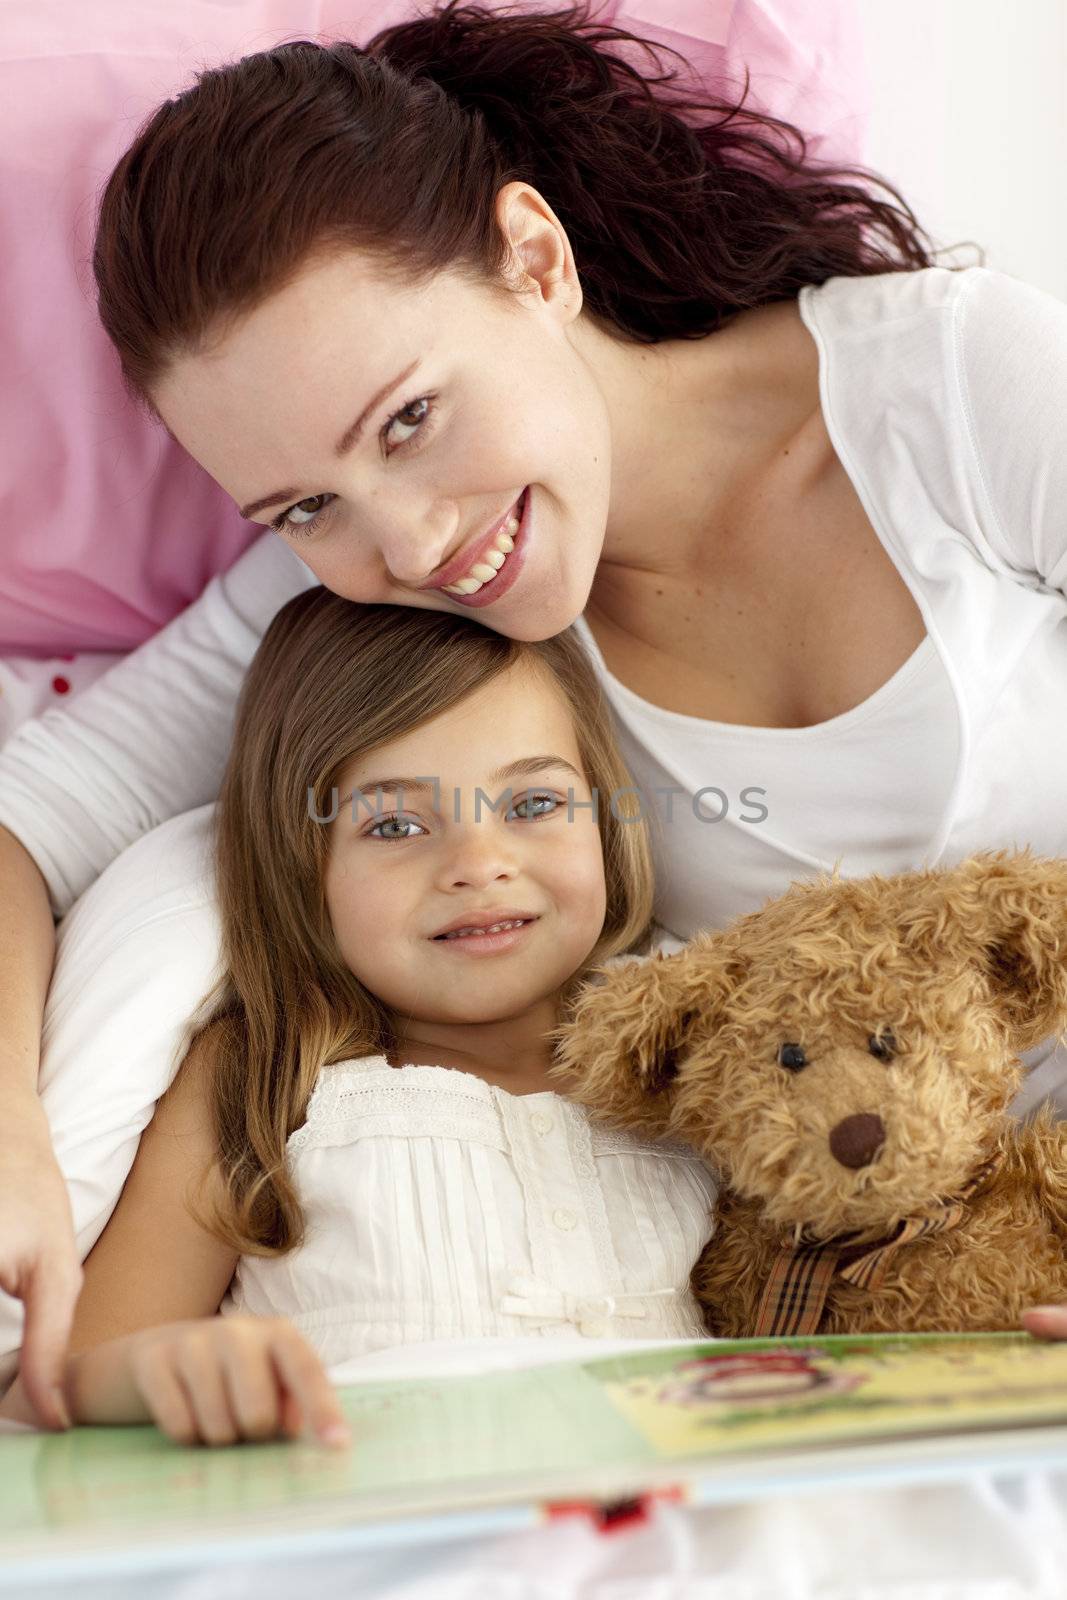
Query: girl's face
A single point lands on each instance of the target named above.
(471, 407)
(416, 863)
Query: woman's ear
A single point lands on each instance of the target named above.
(1012, 908)
(627, 1033)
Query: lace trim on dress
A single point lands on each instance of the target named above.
(616, 1141)
(353, 1099)
(364, 1099)
(436, 1115)
(580, 1139)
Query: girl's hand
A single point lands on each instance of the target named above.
(1046, 1322)
(210, 1381)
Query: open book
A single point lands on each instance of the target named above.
(435, 1457)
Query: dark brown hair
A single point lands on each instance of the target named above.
(681, 208)
(323, 689)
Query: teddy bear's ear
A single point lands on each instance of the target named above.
(619, 1052)
(1012, 907)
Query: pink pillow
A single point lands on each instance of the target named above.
(109, 528)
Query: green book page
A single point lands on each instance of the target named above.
(567, 1430)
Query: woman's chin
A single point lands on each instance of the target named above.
(540, 611)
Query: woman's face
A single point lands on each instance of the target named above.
(402, 868)
(468, 400)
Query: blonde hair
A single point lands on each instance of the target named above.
(331, 681)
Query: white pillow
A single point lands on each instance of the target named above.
(135, 956)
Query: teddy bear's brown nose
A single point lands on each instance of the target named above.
(857, 1140)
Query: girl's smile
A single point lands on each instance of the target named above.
(505, 933)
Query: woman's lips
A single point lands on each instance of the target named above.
(494, 588)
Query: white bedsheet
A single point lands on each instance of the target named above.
(982, 1541)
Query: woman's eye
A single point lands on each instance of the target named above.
(548, 800)
(301, 530)
(792, 1057)
(411, 406)
(283, 523)
(882, 1045)
(389, 823)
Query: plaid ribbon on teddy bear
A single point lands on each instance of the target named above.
(794, 1298)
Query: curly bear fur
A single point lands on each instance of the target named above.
(910, 999)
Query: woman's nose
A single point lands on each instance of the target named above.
(412, 549)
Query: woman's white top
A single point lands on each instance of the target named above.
(945, 396)
(439, 1206)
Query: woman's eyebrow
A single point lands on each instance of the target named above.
(350, 437)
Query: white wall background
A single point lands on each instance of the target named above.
(969, 121)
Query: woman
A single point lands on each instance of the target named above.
(796, 485)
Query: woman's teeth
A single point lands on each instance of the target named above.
(493, 560)
(498, 927)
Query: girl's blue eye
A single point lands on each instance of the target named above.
(384, 822)
(303, 530)
(530, 799)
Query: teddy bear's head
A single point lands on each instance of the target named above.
(844, 1055)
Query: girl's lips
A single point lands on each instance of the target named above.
(488, 944)
(498, 586)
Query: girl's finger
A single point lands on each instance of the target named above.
(197, 1363)
(1046, 1322)
(50, 1295)
(292, 1416)
(305, 1379)
(253, 1387)
(164, 1394)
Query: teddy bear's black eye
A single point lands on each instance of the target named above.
(883, 1045)
(792, 1057)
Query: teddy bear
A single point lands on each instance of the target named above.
(844, 1057)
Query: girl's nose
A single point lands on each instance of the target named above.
(475, 863)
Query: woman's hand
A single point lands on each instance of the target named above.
(213, 1380)
(38, 1260)
(1046, 1322)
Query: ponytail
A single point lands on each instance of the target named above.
(673, 227)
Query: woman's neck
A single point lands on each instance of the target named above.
(695, 426)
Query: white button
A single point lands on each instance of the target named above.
(541, 1122)
(564, 1219)
(592, 1327)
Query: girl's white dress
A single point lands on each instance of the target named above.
(439, 1206)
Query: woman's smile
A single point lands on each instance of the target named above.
(491, 577)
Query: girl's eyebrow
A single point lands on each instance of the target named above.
(344, 444)
(524, 767)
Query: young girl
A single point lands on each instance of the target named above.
(425, 840)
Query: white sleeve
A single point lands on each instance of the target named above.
(149, 739)
(1011, 359)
